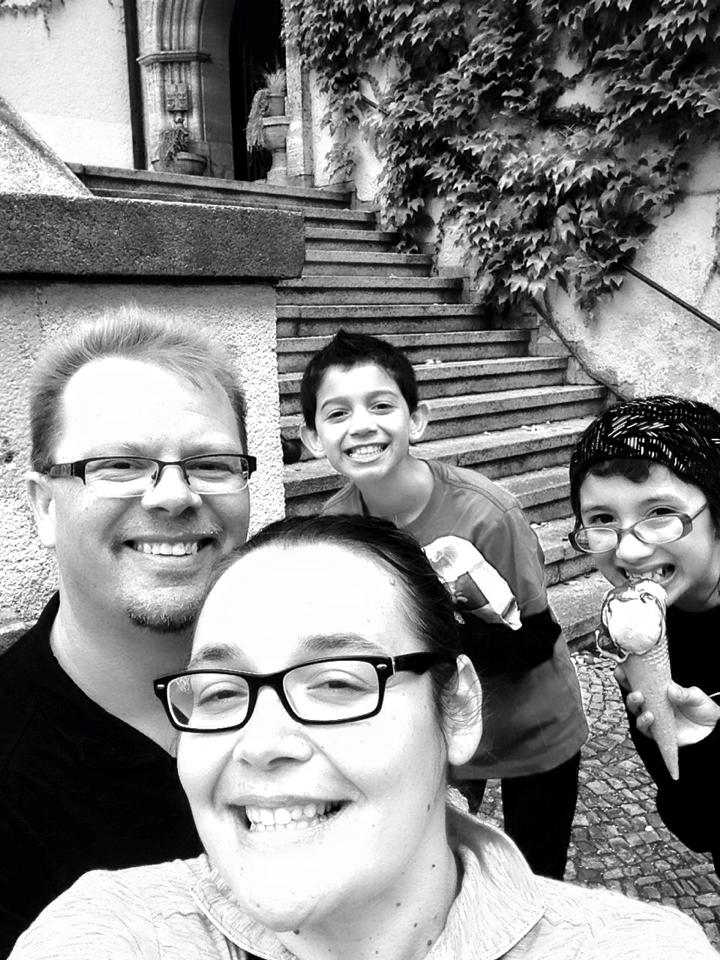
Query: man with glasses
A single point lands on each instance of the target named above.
(139, 486)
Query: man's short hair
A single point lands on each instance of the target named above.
(133, 334)
(348, 350)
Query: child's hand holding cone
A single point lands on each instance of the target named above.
(696, 714)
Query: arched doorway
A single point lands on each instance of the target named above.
(255, 47)
(203, 60)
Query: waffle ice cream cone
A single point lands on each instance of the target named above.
(633, 621)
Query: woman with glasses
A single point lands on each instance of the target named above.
(645, 488)
(323, 704)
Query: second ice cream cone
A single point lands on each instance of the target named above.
(650, 674)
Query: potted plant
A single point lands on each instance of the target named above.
(268, 101)
(267, 125)
(276, 86)
(174, 154)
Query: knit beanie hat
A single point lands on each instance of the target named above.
(682, 435)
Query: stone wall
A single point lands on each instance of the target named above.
(32, 313)
(69, 257)
(67, 76)
(641, 341)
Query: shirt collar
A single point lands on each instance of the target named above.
(499, 901)
(102, 739)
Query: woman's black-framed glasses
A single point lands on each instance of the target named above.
(330, 690)
(123, 476)
(664, 528)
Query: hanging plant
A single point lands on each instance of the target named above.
(541, 192)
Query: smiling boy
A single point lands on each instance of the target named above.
(645, 488)
(361, 409)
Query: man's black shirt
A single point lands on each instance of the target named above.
(79, 789)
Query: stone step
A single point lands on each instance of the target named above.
(576, 604)
(428, 348)
(543, 494)
(334, 238)
(459, 378)
(496, 454)
(350, 219)
(380, 290)
(189, 189)
(562, 562)
(474, 413)
(330, 263)
(382, 320)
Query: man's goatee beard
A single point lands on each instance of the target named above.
(161, 621)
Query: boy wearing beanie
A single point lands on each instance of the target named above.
(645, 490)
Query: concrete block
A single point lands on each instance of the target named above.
(94, 237)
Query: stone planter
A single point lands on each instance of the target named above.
(190, 164)
(276, 105)
(275, 131)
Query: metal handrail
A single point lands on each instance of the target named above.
(670, 295)
(633, 271)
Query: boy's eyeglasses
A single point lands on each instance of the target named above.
(121, 476)
(332, 690)
(665, 528)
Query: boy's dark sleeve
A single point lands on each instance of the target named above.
(512, 547)
(495, 648)
(688, 806)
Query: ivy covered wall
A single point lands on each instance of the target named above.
(562, 139)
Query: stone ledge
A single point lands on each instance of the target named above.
(12, 630)
(98, 237)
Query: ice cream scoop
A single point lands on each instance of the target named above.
(633, 633)
(475, 585)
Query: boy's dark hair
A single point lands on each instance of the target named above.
(348, 350)
(637, 471)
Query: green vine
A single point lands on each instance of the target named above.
(27, 6)
(547, 174)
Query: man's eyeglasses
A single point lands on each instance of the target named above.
(121, 476)
(664, 528)
(332, 690)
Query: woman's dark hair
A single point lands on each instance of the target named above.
(427, 603)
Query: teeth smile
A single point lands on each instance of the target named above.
(296, 817)
(167, 549)
(656, 575)
(368, 450)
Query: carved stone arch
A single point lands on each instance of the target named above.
(185, 69)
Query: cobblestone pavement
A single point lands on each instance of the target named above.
(618, 840)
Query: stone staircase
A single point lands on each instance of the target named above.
(495, 405)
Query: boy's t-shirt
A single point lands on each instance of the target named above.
(533, 718)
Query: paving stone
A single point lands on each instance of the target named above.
(619, 842)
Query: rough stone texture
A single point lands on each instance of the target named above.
(27, 164)
(243, 317)
(141, 238)
(65, 70)
(641, 341)
(618, 839)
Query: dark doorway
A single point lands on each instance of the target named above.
(255, 47)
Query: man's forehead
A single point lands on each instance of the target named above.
(119, 398)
